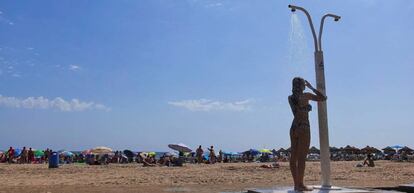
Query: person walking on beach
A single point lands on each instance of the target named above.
(300, 129)
(212, 155)
(199, 154)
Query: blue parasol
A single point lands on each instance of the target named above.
(66, 153)
(397, 146)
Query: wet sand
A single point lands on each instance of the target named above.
(131, 178)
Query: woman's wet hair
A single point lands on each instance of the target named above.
(298, 84)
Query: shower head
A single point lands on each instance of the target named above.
(292, 8)
(336, 17)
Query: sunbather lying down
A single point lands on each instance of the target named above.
(274, 165)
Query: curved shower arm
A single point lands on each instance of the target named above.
(321, 27)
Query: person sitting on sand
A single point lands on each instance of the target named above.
(369, 161)
(300, 129)
(148, 162)
(199, 154)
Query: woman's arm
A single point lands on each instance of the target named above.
(318, 97)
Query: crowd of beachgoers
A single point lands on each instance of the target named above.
(183, 154)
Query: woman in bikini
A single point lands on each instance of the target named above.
(300, 129)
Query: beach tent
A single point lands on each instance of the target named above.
(179, 147)
(17, 152)
(101, 150)
(39, 153)
(314, 150)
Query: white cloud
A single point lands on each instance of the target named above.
(44, 103)
(3, 19)
(211, 105)
(74, 67)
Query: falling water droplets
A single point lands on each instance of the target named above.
(300, 56)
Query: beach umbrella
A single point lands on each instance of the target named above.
(406, 150)
(152, 153)
(389, 150)
(333, 149)
(129, 153)
(397, 146)
(351, 149)
(369, 149)
(143, 154)
(66, 153)
(179, 147)
(231, 153)
(265, 151)
(101, 150)
(254, 151)
(315, 150)
(281, 150)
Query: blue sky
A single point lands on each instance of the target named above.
(143, 74)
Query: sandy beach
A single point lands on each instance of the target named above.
(190, 178)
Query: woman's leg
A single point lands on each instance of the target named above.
(303, 148)
(294, 158)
